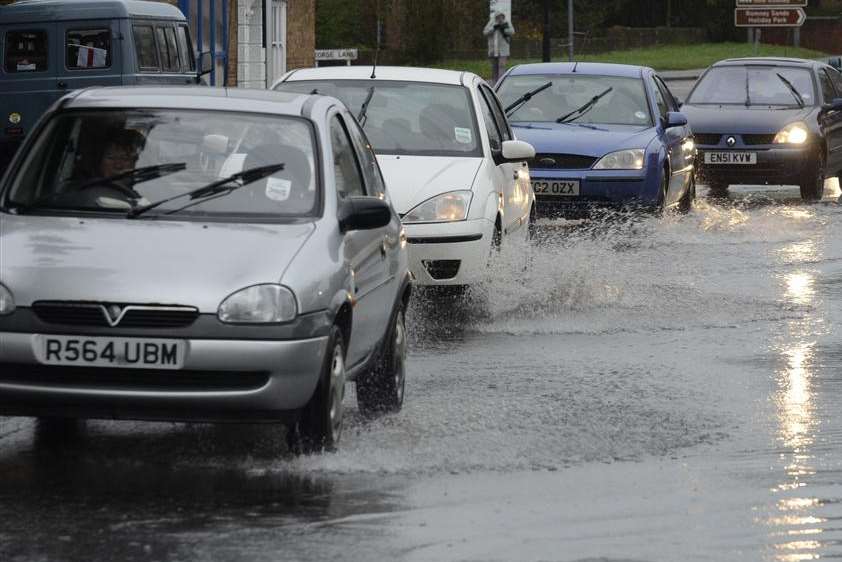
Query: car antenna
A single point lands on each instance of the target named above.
(377, 50)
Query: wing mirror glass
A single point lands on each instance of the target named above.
(834, 105)
(364, 213)
(205, 63)
(516, 151)
(675, 119)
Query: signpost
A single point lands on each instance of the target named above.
(771, 3)
(769, 17)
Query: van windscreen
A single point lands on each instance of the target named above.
(26, 51)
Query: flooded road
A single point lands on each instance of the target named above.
(666, 389)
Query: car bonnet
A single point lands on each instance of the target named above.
(141, 261)
(411, 180)
(596, 140)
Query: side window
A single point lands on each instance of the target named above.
(827, 87)
(87, 48)
(497, 110)
(836, 80)
(185, 45)
(371, 170)
(346, 169)
(168, 49)
(144, 44)
(26, 51)
(672, 104)
(494, 137)
(662, 103)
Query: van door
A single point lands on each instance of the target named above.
(28, 81)
(89, 54)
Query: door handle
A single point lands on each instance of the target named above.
(384, 247)
(62, 84)
(515, 176)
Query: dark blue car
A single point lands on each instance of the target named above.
(606, 135)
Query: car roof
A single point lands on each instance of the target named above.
(773, 61)
(24, 11)
(192, 97)
(592, 68)
(396, 73)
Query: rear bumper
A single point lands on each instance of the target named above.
(222, 380)
(774, 166)
(435, 249)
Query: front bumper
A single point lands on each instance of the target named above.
(775, 165)
(598, 190)
(454, 253)
(221, 380)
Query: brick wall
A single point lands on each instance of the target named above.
(301, 34)
(821, 34)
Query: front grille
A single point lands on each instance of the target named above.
(707, 138)
(758, 139)
(442, 269)
(122, 315)
(562, 162)
(106, 378)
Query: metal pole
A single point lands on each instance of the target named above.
(570, 28)
(547, 54)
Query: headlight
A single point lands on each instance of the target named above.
(260, 304)
(7, 302)
(446, 207)
(622, 160)
(794, 133)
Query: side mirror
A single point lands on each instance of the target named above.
(834, 105)
(205, 63)
(363, 213)
(675, 119)
(516, 151)
(835, 62)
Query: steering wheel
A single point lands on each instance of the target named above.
(108, 184)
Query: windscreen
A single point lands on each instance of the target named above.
(754, 85)
(624, 104)
(411, 118)
(114, 161)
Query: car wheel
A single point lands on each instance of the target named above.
(381, 390)
(812, 183)
(319, 425)
(55, 432)
(718, 190)
(685, 205)
(532, 232)
(661, 206)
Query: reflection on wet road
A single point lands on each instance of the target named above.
(660, 389)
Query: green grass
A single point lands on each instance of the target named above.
(667, 57)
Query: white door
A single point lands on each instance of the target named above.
(276, 44)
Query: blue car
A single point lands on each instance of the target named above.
(605, 135)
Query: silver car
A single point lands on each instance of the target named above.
(200, 254)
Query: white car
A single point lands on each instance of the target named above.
(455, 172)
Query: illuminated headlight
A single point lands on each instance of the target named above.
(260, 304)
(622, 160)
(446, 207)
(794, 133)
(7, 302)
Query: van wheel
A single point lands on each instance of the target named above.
(319, 425)
(381, 390)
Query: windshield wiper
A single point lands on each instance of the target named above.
(575, 114)
(138, 175)
(240, 179)
(521, 101)
(795, 93)
(748, 92)
(363, 115)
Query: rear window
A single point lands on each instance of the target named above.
(168, 48)
(147, 53)
(26, 51)
(88, 48)
(186, 47)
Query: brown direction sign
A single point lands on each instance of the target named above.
(769, 17)
(771, 3)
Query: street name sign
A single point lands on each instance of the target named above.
(772, 3)
(769, 17)
(337, 54)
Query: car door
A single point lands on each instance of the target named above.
(89, 54)
(29, 83)
(676, 142)
(831, 120)
(364, 249)
(376, 187)
(503, 174)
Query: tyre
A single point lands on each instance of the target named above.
(57, 432)
(685, 204)
(319, 425)
(381, 390)
(532, 233)
(812, 182)
(661, 206)
(718, 190)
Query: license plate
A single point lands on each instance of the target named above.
(560, 188)
(127, 353)
(737, 158)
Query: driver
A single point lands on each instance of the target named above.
(121, 152)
